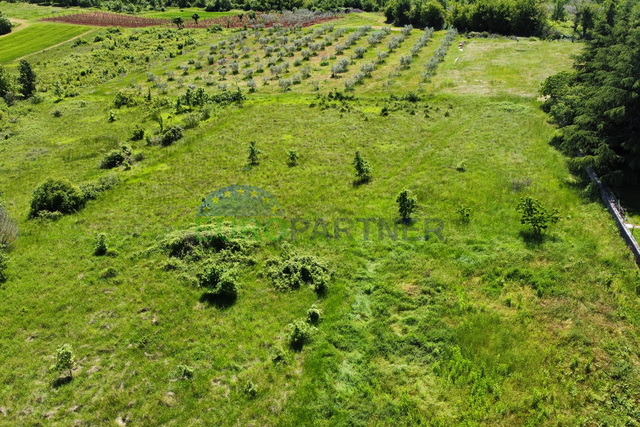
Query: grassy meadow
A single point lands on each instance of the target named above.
(484, 326)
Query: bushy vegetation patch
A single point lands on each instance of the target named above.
(214, 237)
(62, 197)
(291, 271)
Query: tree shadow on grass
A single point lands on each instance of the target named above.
(534, 240)
(60, 381)
(218, 301)
(361, 181)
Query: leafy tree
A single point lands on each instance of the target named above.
(195, 17)
(559, 12)
(254, 152)
(178, 22)
(535, 215)
(27, 79)
(362, 167)
(65, 359)
(5, 24)
(406, 205)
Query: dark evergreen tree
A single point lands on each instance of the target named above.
(598, 105)
(27, 79)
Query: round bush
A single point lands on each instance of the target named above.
(56, 195)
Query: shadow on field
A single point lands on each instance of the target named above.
(361, 181)
(60, 381)
(217, 300)
(533, 240)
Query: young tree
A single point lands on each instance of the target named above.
(293, 157)
(27, 79)
(363, 169)
(195, 17)
(65, 359)
(536, 215)
(406, 205)
(253, 154)
(178, 22)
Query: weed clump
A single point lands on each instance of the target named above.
(289, 273)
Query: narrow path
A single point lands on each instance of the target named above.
(55, 45)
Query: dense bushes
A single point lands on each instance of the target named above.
(5, 24)
(59, 196)
(115, 158)
(519, 17)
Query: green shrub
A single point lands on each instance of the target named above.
(250, 390)
(92, 189)
(56, 195)
(108, 273)
(5, 24)
(289, 273)
(254, 152)
(362, 167)
(183, 243)
(117, 158)
(313, 315)
(100, 245)
(185, 372)
(535, 215)
(137, 134)
(123, 99)
(65, 359)
(171, 135)
(293, 157)
(406, 204)
(219, 281)
(299, 333)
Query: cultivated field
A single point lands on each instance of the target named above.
(481, 325)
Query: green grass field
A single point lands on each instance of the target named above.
(486, 326)
(37, 37)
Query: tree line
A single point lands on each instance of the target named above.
(597, 104)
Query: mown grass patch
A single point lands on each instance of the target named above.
(35, 38)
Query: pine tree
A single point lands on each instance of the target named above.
(254, 152)
(363, 169)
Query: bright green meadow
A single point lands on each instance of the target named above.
(487, 325)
